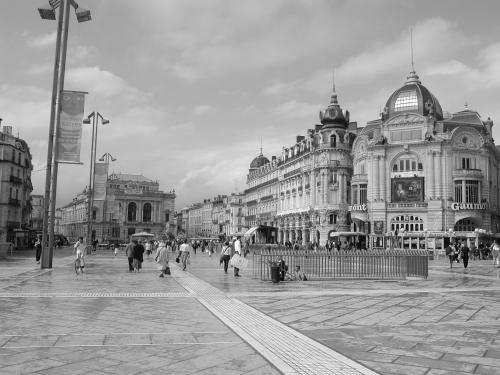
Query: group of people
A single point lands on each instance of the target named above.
(460, 251)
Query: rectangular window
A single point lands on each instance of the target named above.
(363, 197)
(407, 162)
(401, 165)
(354, 194)
(458, 191)
(465, 163)
(472, 191)
(413, 165)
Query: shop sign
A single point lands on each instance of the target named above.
(455, 206)
(358, 207)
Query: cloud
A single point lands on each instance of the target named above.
(204, 110)
(102, 83)
(44, 40)
(293, 109)
(384, 59)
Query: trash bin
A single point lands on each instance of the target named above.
(275, 273)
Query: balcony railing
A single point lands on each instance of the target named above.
(15, 180)
(14, 202)
(407, 205)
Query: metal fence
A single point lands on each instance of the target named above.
(322, 265)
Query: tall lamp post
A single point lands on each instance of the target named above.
(95, 116)
(48, 13)
(107, 158)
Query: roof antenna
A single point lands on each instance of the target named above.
(411, 47)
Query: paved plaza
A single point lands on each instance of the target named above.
(206, 322)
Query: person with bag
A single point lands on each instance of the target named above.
(184, 255)
(225, 255)
(161, 258)
(450, 252)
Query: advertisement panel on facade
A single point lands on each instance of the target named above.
(69, 132)
(100, 179)
(410, 189)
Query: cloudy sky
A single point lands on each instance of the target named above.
(191, 87)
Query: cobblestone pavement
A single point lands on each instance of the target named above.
(114, 322)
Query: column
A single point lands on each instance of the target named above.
(377, 177)
(439, 184)
(430, 171)
(312, 186)
(383, 184)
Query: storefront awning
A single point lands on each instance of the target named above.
(347, 234)
(251, 231)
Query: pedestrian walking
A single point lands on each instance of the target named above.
(495, 251)
(464, 254)
(38, 249)
(450, 252)
(184, 254)
(138, 256)
(130, 255)
(79, 249)
(225, 255)
(237, 250)
(161, 257)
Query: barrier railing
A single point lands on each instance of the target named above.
(323, 265)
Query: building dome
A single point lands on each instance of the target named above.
(333, 115)
(259, 161)
(413, 97)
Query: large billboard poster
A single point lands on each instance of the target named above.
(100, 180)
(69, 133)
(409, 189)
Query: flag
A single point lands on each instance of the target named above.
(100, 180)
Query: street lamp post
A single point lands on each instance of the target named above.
(57, 88)
(95, 116)
(107, 158)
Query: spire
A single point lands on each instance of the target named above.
(333, 99)
(466, 105)
(261, 146)
(412, 77)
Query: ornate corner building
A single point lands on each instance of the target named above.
(424, 175)
(305, 193)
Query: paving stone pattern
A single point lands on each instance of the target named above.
(207, 322)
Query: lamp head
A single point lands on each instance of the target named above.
(47, 13)
(104, 121)
(82, 15)
(86, 120)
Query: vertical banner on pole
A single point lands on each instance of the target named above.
(69, 135)
(100, 180)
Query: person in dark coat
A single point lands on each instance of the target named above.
(464, 253)
(138, 254)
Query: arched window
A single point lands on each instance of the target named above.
(409, 223)
(465, 225)
(146, 212)
(407, 163)
(333, 141)
(132, 212)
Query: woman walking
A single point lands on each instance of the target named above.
(225, 255)
(495, 251)
(161, 258)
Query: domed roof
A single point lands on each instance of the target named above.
(258, 162)
(413, 97)
(333, 115)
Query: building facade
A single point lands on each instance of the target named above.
(133, 204)
(422, 177)
(15, 189)
(36, 219)
(305, 193)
